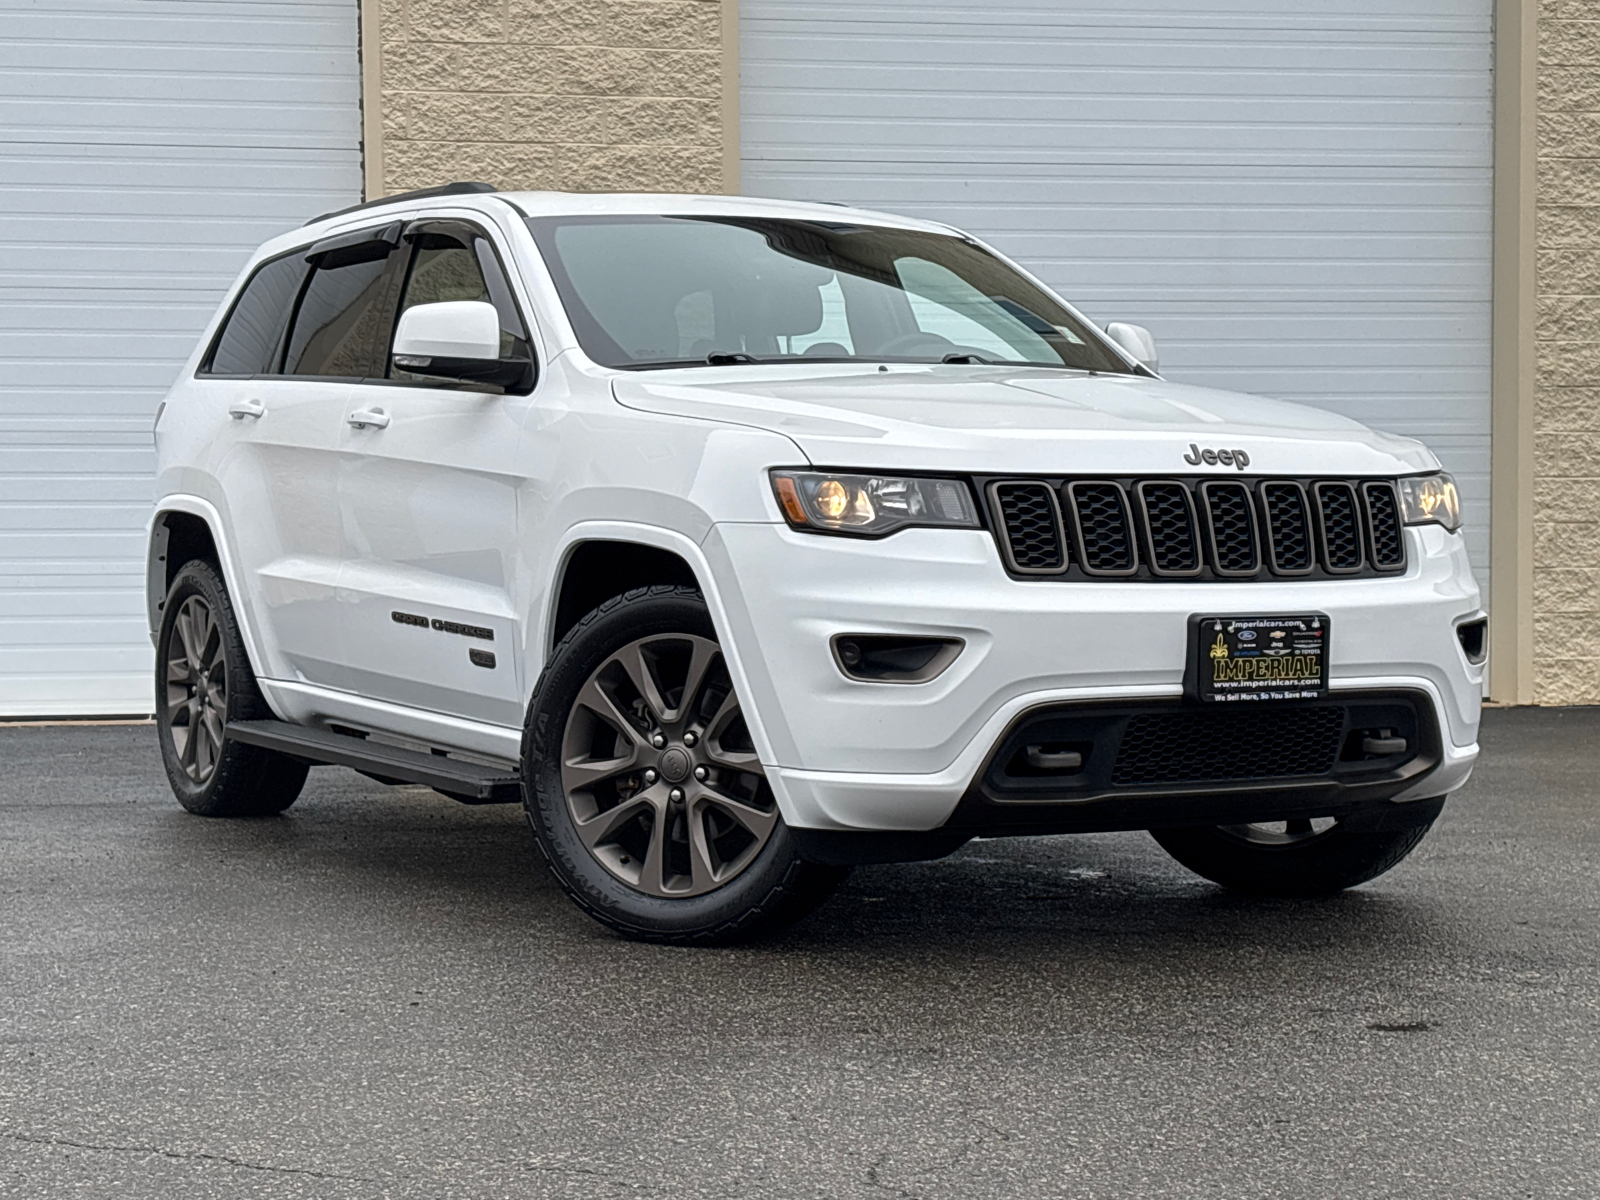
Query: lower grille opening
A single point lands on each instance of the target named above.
(1084, 751)
(1204, 747)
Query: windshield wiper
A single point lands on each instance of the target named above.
(729, 358)
(961, 357)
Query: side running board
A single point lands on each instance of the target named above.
(469, 782)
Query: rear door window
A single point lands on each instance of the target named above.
(253, 332)
(344, 322)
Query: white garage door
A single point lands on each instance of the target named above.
(1295, 197)
(146, 146)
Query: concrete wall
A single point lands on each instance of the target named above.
(1566, 419)
(599, 95)
(573, 95)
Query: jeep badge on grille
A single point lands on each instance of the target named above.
(1228, 458)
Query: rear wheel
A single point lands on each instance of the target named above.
(643, 787)
(203, 681)
(1302, 857)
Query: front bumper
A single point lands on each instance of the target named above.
(848, 755)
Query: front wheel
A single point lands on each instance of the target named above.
(643, 787)
(1298, 858)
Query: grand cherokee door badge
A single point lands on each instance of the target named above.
(442, 626)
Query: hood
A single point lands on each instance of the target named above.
(999, 420)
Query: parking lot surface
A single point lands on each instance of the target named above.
(383, 994)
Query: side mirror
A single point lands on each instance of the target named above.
(1136, 340)
(455, 339)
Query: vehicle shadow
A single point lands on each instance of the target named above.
(1107, 907)
(1100, 902)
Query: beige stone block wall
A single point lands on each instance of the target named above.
(1566, 563)
(567, 95)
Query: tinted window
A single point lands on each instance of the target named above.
(648, 291)
(344, 322)
(458, 263)
(249, 341)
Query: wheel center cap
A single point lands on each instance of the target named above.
(675, 765)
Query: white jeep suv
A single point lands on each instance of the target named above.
(741, 541)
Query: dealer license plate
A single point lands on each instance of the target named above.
(1259, 658)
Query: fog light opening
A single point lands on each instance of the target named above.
(881, 658)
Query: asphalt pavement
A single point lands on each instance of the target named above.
(383, 994)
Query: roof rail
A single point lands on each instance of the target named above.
(449, 189)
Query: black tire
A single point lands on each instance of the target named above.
(211, 775)
(773, 888)
(1261, 861)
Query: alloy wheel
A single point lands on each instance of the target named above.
(197, 688)
(661, 779)
(1281, 833)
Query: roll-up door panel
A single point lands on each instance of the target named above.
(146, 149)
(1294, 197)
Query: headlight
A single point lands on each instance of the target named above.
(871, 505)
(1431, 500)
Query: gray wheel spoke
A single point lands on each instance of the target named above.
(594, 698)
(700, 662)
(579, 774)
(652, 872)
(740, 760)
(759, 824)
(186, 635)
(210, 641)
(597, 829)
(204, 751)
(212, 723)
(183, 743)
(187, 751)
(631, 659)
(702, 875)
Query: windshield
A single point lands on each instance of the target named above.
(649, 291)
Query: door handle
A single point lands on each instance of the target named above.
(363, 417)
(246, 408)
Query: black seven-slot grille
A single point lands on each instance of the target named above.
(1214, 528)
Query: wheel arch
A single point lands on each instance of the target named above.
(181, 529)
(595, 570)
(664, 548)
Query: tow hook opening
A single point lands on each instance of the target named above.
(1363, 745)
(1049, 758)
